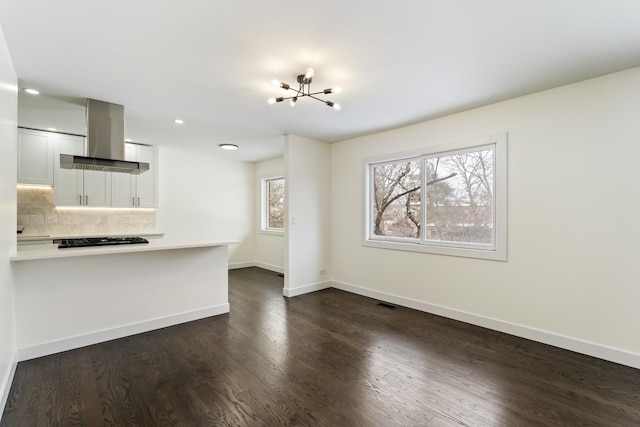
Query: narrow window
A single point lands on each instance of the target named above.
(273, 204)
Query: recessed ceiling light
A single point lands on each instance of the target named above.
(228, 146)
(32, 91)
(52, 129)
(178, 121)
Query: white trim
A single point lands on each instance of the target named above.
(269, 267)
(259, 264)
(5, 385)
(272, 232)
(244, 264)
(306, 289)
(600, 351)
(52, 347)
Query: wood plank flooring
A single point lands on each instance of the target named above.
(329, 358)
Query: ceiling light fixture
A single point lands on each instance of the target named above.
(178, 121)
(228, 146)
(32, 91)
(304, 89)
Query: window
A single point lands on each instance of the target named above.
(448, 199)
(273, 205)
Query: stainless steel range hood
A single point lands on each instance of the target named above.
(105, 142)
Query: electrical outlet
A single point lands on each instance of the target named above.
(321, 272)
(50, 219)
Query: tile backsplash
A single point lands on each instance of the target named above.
(39, 217)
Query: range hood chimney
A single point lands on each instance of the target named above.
(105, 142)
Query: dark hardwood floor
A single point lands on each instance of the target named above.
(329, 358)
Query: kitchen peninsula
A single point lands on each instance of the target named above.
(69, 298)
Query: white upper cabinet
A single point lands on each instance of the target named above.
(35, 157)
(123, 184)
(137, 191)
(147, 182)
(39, 163)
(72, 187)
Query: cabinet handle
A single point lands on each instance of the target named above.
(80, 195)
(86, 200)
(138, 201)
(133, 201)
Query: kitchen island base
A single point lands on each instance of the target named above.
(70, 302)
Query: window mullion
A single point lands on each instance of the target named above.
(423, 200)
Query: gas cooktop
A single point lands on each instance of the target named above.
(100, 241)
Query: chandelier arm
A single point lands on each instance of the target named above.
(295, 90)
(315, 97)
(316, 93)
(295, 96)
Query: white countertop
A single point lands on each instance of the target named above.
(50, 250)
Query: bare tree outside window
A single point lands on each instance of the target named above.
(458, 202)
(275, 203)
(460, 207)
(396, 207)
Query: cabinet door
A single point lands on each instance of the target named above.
(123, 185)
(67, 183)
(147, 182)
(35, 157)
(97, 188)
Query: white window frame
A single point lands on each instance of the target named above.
(264, 208)
(496, 251)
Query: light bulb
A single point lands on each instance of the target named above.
(293, 101)
(275, 82)
(310, 72)
(271, 101)
(337, 107)
(336, 89)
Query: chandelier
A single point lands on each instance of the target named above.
(304, 89)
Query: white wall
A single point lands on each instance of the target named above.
(8, 212)
(572, 273)
(202, 196)
(308, 198)
(269, 248)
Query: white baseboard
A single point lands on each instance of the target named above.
(52, 347)
(269, 267)
(301, 290)
(244, 264)
(7, 380)
(259, 264)
(611, 354)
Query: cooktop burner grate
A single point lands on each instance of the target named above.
(100, 241)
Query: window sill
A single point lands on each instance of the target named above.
(272, 232)
(493, 255)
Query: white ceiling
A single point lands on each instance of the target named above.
(211, 62)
